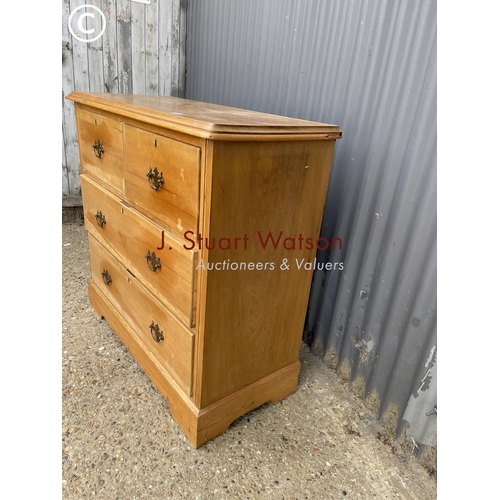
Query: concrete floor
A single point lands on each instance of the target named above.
(120, 441)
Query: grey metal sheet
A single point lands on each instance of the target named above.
(370, 67)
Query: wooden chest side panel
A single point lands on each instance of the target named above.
(254, 318)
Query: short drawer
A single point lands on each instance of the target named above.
(162, 178)
(101, 147)
(164, 335)
(136, 240)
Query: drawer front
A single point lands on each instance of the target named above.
(101, 148)
(174, 345)
(162, 178)
(132, 236)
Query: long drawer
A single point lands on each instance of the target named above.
(164, 335)
(168, 273)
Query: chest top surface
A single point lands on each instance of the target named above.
(204, 119)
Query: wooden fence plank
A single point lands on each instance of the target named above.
(152, 48)
(95, 49)
(124, 38)
(81, 82)
(65, 185)
(174, 47)
(109, 48)
(138, 12)
(181, 83)
(164, 47)
(80, 56)
(71, 158)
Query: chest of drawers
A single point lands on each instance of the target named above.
(202, 220)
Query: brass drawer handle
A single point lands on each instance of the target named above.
(156, 333)
(98, 148)
(100, 219)
(153, 261)
(106, 277)
(155, 178)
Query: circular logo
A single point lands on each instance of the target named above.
(86, 23)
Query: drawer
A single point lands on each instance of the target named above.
(132, 236)
(106, 163)
(162, 178)
(174, 346)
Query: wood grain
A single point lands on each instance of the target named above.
(256, 327)
(175, 204)
(108, 168)
(183, 410)
(208, 120)
(107, 65)
(232, 337)
(198, 426)
(129, 235)
(138, 20)
(165, 47)
(215, 419)
(139, 309)
(109, 47)
(95, 53)
(81, 81)
(157, 129)
(176, 87)
(124, 46)
(205, 204)
(152, 60)
(71, 157)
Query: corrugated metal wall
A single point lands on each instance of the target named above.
(142, 51)
(370, 67)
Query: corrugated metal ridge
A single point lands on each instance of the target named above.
(369, 66)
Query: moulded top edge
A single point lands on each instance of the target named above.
(200, 118)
